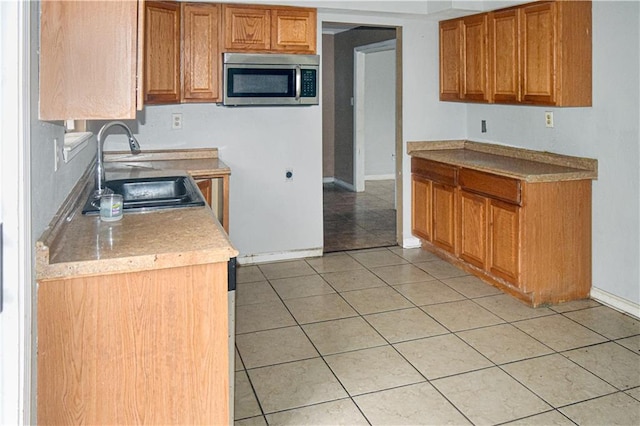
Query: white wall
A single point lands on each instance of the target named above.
(267, 214)
(609, 131)
(380, 114)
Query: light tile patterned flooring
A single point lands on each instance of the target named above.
(397, 337)
(358, 220)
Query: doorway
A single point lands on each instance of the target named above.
(361, 136)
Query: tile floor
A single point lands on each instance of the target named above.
(358, 220)
(398, 337)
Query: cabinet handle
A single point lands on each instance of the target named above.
(298, 82)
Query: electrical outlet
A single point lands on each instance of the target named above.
(176, 121)
(288, 175)
(483, 126)
(548, 119)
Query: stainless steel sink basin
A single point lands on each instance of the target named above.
(151, 193)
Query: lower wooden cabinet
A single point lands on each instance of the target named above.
(504, 241)
(148, 347)
(444, 216)
(531, 239)
(421, 202)
(473, 229)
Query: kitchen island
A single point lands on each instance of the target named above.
(133, 315)
(516, 218)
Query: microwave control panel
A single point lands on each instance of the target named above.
(309, 87)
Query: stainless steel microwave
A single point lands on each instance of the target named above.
(270, 79)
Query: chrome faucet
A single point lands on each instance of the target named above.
(100, 174)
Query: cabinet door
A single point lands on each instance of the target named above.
(421, 207)
(293, 30)
(201, 52)
(450, 60)
(505, 57)
(444, 216)
(538, 47)
(504, 241)
(246, 28)
(162, 52)
(88, 60)
(473, 229)
(474, 58)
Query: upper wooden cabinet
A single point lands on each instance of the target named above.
(182, 54)
(537, 54)
(249, 28)
(162, 52)
(201, 52)
(464, 59)
(90, 60)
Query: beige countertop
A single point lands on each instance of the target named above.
(77, 245)
(527, 165)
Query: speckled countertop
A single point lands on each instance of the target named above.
(78, 245)
(527, 165)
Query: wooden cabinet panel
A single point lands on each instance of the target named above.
(421, 207)
(538, 47)
(206, 188)
(504, 241)
(473, 229)
(89, 60)
(293, 30)
(505, 56)
(162, 52)
(145, 347)
(450, 60)
(435, 171)
(475, 59)
(247, 28)
(501, 187)
(444, 216)
(201, 52)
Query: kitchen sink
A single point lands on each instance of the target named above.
(151, 193)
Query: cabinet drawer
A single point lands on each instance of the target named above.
(500, 187)
(437, 172)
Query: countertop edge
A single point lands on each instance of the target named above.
(588, 167)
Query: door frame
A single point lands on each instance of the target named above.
(15, 213)
(359, 102)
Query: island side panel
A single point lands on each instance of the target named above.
(143, 347)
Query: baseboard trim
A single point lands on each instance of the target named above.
(616, 302)
(252, 259)
(411, 242)
(380, 177)
(328, 179)
(344, 184)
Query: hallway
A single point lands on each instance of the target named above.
(359, 220)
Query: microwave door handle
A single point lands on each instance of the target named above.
(298, 82)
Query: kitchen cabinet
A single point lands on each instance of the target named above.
(464, 59)
(529, 236)
(538, 54)
(249, 28)
(421, 207)
(215, 188)
(505, 56)
(90, 60)
(138, 347)
(182, 52)
(162, 52)
(435, 203)
(201, 52)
